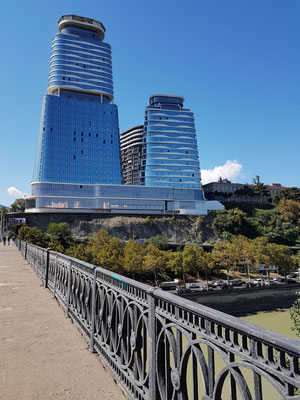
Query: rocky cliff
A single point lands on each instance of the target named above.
(175, 228)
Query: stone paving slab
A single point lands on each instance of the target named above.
(42, 354)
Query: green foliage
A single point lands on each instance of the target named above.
(148, 220)
(106, 251)
(81, 252)
(15, 230)
(134, 254)
(18, 206)
(246, 190)
(295, 317)
(155, 261)
(231, 221)
(280, 256)
(280, 224)
(59, 236)
(289, 211)
(33, 235)
(189, 261)
(292, 193)
(268, 223)
(226, 255)
(260, 190)
(158, 241)
(174, 262)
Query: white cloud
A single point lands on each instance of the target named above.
(15, 192)
(230, 170)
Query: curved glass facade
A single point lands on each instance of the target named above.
(170, 152)
(78, 157)
(79, 129)
(80, 60)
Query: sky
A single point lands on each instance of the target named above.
(236, 62)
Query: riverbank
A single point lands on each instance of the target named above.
(248, 300)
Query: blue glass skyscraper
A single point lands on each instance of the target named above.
(170, 152)
(78, 160)
(79, 131)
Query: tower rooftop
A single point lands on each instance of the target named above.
(81, 22)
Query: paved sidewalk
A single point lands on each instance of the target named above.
(42, 354)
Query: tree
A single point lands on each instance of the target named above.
(246, 190)
(59, 235)
(106, 251)
(281, 257)
(289, 211)
(225, 255)
(174, 262)
(134, 254)
(295, 316)
(159, 241)
(261, 190)
(229, 221)
(292, 193)
(81, 252)
(259, 250)
(205, 262)
(245, 251)
(189, 261)
(18, 206)
(33, 235)
(155, 261)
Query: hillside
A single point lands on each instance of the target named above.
(175, 229)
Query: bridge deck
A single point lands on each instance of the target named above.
(42, 354)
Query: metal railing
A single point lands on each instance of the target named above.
(161, 346)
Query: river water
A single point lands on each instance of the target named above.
(277, 320)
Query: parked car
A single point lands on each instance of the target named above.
(168, 285)
(236, 282)
(218, 283)
(192, 285)
(249, 284)
(271, 282)
(281, 279)
(291, 281)
(183, 289)
(293, 275)
(259, 282)
(204, 288)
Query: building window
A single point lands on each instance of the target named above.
(74, 157)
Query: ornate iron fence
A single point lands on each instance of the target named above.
(161, 346)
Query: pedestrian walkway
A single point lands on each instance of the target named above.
(42, 354)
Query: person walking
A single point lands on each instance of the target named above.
(8, 240)
(4, 240)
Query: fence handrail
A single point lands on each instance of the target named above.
(139, 330)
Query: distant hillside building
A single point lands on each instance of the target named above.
(226, 191)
